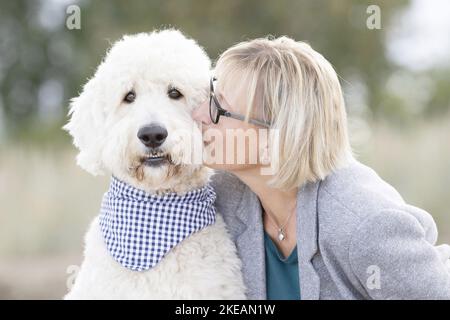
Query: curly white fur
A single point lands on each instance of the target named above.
(104, 129)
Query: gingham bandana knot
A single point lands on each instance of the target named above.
(140, 229)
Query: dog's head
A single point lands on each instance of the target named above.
(133, 118)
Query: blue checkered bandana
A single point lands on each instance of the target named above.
(140, 229)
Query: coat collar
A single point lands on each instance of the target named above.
(307, 240)
(250, 242)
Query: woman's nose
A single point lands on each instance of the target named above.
(201, 113)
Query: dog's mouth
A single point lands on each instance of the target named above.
(156, 159)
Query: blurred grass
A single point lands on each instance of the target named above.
(416, 161)
(47, 202)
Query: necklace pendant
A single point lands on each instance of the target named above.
(281, 234)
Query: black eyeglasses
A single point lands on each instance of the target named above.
(216, 110)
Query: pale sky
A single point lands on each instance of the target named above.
(420, 38)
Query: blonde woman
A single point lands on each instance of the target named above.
(321, 225)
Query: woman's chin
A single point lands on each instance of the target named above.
(233, 167)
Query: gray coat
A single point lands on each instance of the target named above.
(356, 239)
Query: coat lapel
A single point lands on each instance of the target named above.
(307, 240)
(250, 242)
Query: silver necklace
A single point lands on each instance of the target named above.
(281, 231)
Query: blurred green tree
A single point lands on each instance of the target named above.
(43, 63)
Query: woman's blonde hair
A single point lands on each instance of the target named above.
(298, 91)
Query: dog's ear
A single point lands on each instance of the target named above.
(86, 126)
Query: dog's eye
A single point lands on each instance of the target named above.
(174, 94)
(130, 97)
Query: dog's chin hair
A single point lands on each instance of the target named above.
(188, 178)
(137, 171)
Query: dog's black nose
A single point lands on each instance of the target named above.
(152, 136)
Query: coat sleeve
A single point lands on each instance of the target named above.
(393, 256)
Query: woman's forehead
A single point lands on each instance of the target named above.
(235, 95)
(232, 86)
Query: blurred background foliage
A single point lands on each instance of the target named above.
(43, 63)
(398, 105)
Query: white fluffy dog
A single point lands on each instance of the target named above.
(131, 120)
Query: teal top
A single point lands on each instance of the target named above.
(282, 281)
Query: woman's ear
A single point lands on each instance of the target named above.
(86, 126)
